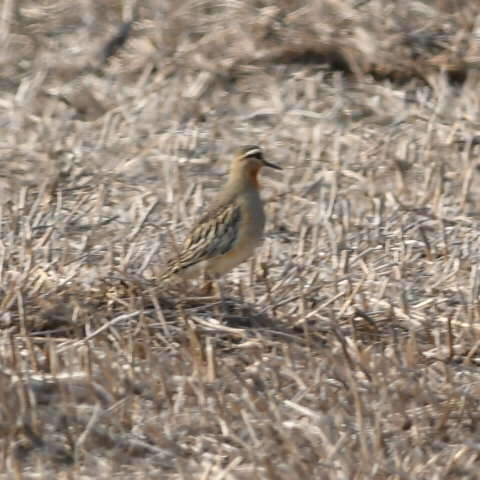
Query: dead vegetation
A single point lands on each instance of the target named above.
(348, 349)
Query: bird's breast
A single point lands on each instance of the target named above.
(253, 224)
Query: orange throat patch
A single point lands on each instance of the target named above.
(254, 176)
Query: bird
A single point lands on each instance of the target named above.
(230, 230)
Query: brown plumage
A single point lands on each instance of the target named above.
(233, 226)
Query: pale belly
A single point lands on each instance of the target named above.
(224, 263)
(217, 266)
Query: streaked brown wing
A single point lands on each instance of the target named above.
(214, 235)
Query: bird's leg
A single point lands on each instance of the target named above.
(211, 286)
(207, 284)
(218, 286)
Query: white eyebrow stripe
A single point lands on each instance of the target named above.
(252, 152)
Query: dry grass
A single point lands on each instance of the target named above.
(348, 348)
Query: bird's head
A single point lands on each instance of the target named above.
(248, 162)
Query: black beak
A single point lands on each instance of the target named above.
(271, 165)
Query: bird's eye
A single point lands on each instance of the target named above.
(256, 153)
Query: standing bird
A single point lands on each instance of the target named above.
(233, 226)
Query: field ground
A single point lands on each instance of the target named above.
(348, 348)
